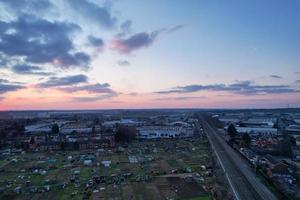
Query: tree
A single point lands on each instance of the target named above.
(74, 132)
(32, 140)
(3, 135)
(96, 120)
(62, 145)
(231, 131)
(19, 127)
(293, 141)
(289, 141)
(287, 144)
(125, 134)
(76, 145)
(246, 139)
(242, 125)
(55, 129)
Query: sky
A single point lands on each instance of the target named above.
(101, 54)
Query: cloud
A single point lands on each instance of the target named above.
(7, 86)
(93, 12)
(297, 81)
(178, 98)
(3, 61)
(29, 70)
(139, 40)
(94, 98)
(41, 41)
(276, 76)
(95, 42)
(133, 94)
(27, 6)
(79, 83)
(134, 42)
(64, 81)
(176, 28)
(91, 88)
(125, 28)
(240, 87)
(3, 80)
(123, 63)
(102, 91)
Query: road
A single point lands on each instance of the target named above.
(244, 183)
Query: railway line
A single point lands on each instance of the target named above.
(242, 180)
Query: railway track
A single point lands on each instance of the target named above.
(243, 182)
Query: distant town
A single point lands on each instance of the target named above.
(150, 154)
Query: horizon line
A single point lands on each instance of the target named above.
(116, 109)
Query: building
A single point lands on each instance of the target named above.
(65, 127)
(259, 122)
(48, 146)
(124, 122)
(39, 128)
(73, 142)
(257, 130)
(153, 132)
(28, 114)
(293, 129)
(95, 144)
(276, 168)
(69, 128)
(229, 120)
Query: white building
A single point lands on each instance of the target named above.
(260, 122)
(125, 122)
(257, 130)
(293, 129)
(41, 127)
(152, 132)
(65, 127)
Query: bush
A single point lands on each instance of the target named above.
(125, 134)
(231, 131)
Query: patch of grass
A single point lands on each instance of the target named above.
(200, 198)
(172, 162)
(65, 194)
(36, 179)
(85, 173)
